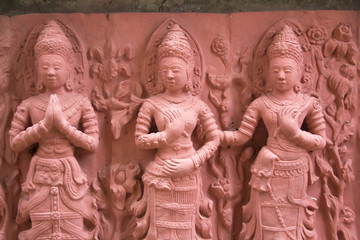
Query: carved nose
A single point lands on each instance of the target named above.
(51, 72)
(170, 74)
(281, 75)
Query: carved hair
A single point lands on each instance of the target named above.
(286, 44)
(52, 40)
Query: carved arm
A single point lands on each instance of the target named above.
(20, 139)
(89, 139)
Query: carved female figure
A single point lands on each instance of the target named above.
(279, 207)
(173, 205)
(55, 195)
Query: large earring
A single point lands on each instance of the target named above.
(68, 86)
(187, 86)
(189, 83)
(40, 87)
(297, 88)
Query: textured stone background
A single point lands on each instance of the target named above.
(15, 7)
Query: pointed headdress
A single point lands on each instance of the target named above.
(176, 44)
(286, 44)
(52, 40)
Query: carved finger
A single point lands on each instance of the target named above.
(281, 113)
(168, 171)
(170, 163)
(178, 113)
(294, 114)
(176, 161)
(169, 115)
(173, 113)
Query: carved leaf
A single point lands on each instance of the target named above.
(324, 166)
(330, 47)
(347, 172)
(98, 100)
(341, 49)
(124, 70)
(95, 53)
(203, 226)
(95, 69)
(99, 194)
(129, 53)
(205, 207)
(331, 203)
(351, 53)
(214, 100)
(118, 196)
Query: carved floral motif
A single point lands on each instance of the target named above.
(160, 175)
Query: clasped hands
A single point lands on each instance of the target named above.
(54, 116)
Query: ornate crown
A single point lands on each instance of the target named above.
(52, 40)
(286, 44)
(176, 44)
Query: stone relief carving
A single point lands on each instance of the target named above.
(146, 163)
(279, 206)
(55, 195)
(173, 205)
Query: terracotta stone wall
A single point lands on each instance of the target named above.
(15, 7)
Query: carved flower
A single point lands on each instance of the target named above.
(340, 44)
(219, 47)
(347, 215)
(221, 188)
(54, 190)
(343, 32)
(55, 215)
(317, 35)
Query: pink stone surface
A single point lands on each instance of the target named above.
(180, 126)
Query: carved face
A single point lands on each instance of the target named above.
(52, 70)
(284, 74)
(173, 72)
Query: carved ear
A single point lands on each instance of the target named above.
(96, 54)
